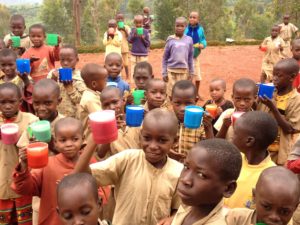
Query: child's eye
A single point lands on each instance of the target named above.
(201, 175)
(86, 211)
(185, 167)
(266, 207)
(284, 212)
(67, 216)
(146, 138)
(75, 139)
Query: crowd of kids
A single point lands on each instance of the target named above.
(227, 171)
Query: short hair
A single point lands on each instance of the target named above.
(11, 86)
(226, 155)
(289, 65)
(184, 85)
(245, 83)
(143, 65)
(77, 180)
(47, 84)
(138, 17)
(113, 54)
(222, 81)
(37, 26)
(90, 72)
(68, 46)
(181, 18)
(8, 52)
(16, 17)
(296, 41)
(256, 123)
(112, 21)
(109, 89)
(152, 81)
(68, 121)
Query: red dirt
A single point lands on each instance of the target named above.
(229, 63)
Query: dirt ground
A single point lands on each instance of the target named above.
(229, 63)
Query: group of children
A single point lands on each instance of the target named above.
(162, 172)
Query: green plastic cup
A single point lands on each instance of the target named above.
(16, 41)
(52, 39)
(41, 130)
(261, 224)
(121, 24)
(138, 95)
(140, 31)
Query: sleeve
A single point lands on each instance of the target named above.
(166, 56)
(219, 122)
(131, 36)
(26, 54)
(93, 106)
(294, 28)
(264, 43)
(293, 113)
(76, 94)
(24, 139)
(54, 54)
(6, 39)
(117, 40)
(202, 37)
(191, 58)
(146, 40)
(105, 41)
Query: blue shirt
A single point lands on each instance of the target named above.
(122, 85)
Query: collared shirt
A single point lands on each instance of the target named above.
(113, 44)
(121, 84)
(165, 105)
(16, 80)
(241, 216)
(144, 194)
(287, 31)
(273, 53)
(25, 40)
(125, 45)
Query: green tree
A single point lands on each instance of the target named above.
(135, 6)
(4, 20)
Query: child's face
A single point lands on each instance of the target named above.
(17, 27)
(156, 94)
(112, 101)
(243, 99)
(9, 102)
(37, 37)
(274, 32)
(286, 20)
(8, 66)
(138, 22)
(112, 25)
(296, 50)
(114, 66)
(100, 84)
(216, 90)
(179, 27)
(68, 58)
(180, 99)
(193, 18)
(281, 80)
(78, 206)
(120, 18)
(141, 77)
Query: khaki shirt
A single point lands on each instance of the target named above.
(9, 156)
(144, 194)
(124, 45)
(287, 31)
(219, 123)
(113, 44)
(25, 40)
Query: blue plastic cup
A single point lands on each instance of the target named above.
(134, 115)
(266, 90)
(23, 65)
(65, 74)
(193, 116)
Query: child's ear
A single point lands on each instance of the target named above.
(93, 84)
(230, 188)
(250, 141)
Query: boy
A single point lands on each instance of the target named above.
(94, 77)
(276, 196)
(210, 173)
(285, 109)
(251, 138)
(140, 43)
(184, 94)
(42, 57)
(296, 56)
(42, 182)
(244, 94)
(17, 28)
(70, 92)
(148, 172)
(112, 39)
(156, 95)
(125, 30)
(273, 47)
(147, 19)
(14, 208)
(177, 63)
(114, 65)
(196, 32)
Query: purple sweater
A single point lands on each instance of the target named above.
(139, 46)
(178, 54)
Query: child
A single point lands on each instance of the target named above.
(210, 173)
(285, 109)
(125, 31)
(196, 32)
(112, 39)
(251, 138)
(94, 77)
(70, 92)
(244, 94)
(156, 95)
(217, 89)
(42, 57)
(17, 28)
(276, 196)
(14, 208)
(140, 43)
(114, 65)
(296, 56)
(147, 19)
(177, 63)
(150, 173)
(42, 182)
(2, 44)
(273, 47)
(184, 94)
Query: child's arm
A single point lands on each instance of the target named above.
(75, 90)
(166, 56)
(208, 128)
(117, 40)
(203, 41)
(224, 128)
(132, 36)
(106, 40)
(191, 59)
(146, 40)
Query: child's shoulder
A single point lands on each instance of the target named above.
(241, 216)
(28, 117)
(174, 166)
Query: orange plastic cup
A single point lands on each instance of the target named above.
(37, 155)
(212, 109)
(235, 116)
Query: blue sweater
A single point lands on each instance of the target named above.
(139, 46)
(121, 84)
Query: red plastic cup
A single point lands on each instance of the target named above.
(212, 109)
(235, 116)
(9, 133)
(103, 125)
(37, 155)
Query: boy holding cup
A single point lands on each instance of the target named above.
(112, 39)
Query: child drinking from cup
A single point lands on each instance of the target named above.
(251, 138)
(148, 172)
(114, 65)
(244, 94)
(156, 95)
(70, 90)
(285, 107)
(14, 208)
(147, 21)
(42, 57)
(112, 39)
(296, 55)
(177, 63)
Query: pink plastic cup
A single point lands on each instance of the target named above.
(9, 133)
(235, 116)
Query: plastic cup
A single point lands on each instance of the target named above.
(140, 31)
(121, 24)
(9, 133)
(138, 95)
(37, 155)
(235, 116)
(134, 116)
(212, 109)
(52, 39)
(41, 130)
(23, 65)
(193, 116)
(114, 84)
(16, 41)
(266, 90)
(65, 74)
(261, 224)
(103, 125)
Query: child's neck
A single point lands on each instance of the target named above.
(219, 101)
(284, 91)
(52, 117)
(179, 36)
(7, 118)
(256, 156)
(74, 159)
(9, 78)
(199, 212)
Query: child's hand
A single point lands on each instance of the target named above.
(120, 121)
(24, 77)
(66, 82)
(23, 158)
(207, 121)
(219, 111)
(166, 78)
(190, 77)
(268, 102)
(129, 100)
(227, 121)
(9, 43)
(201, 46)
(55, 75)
